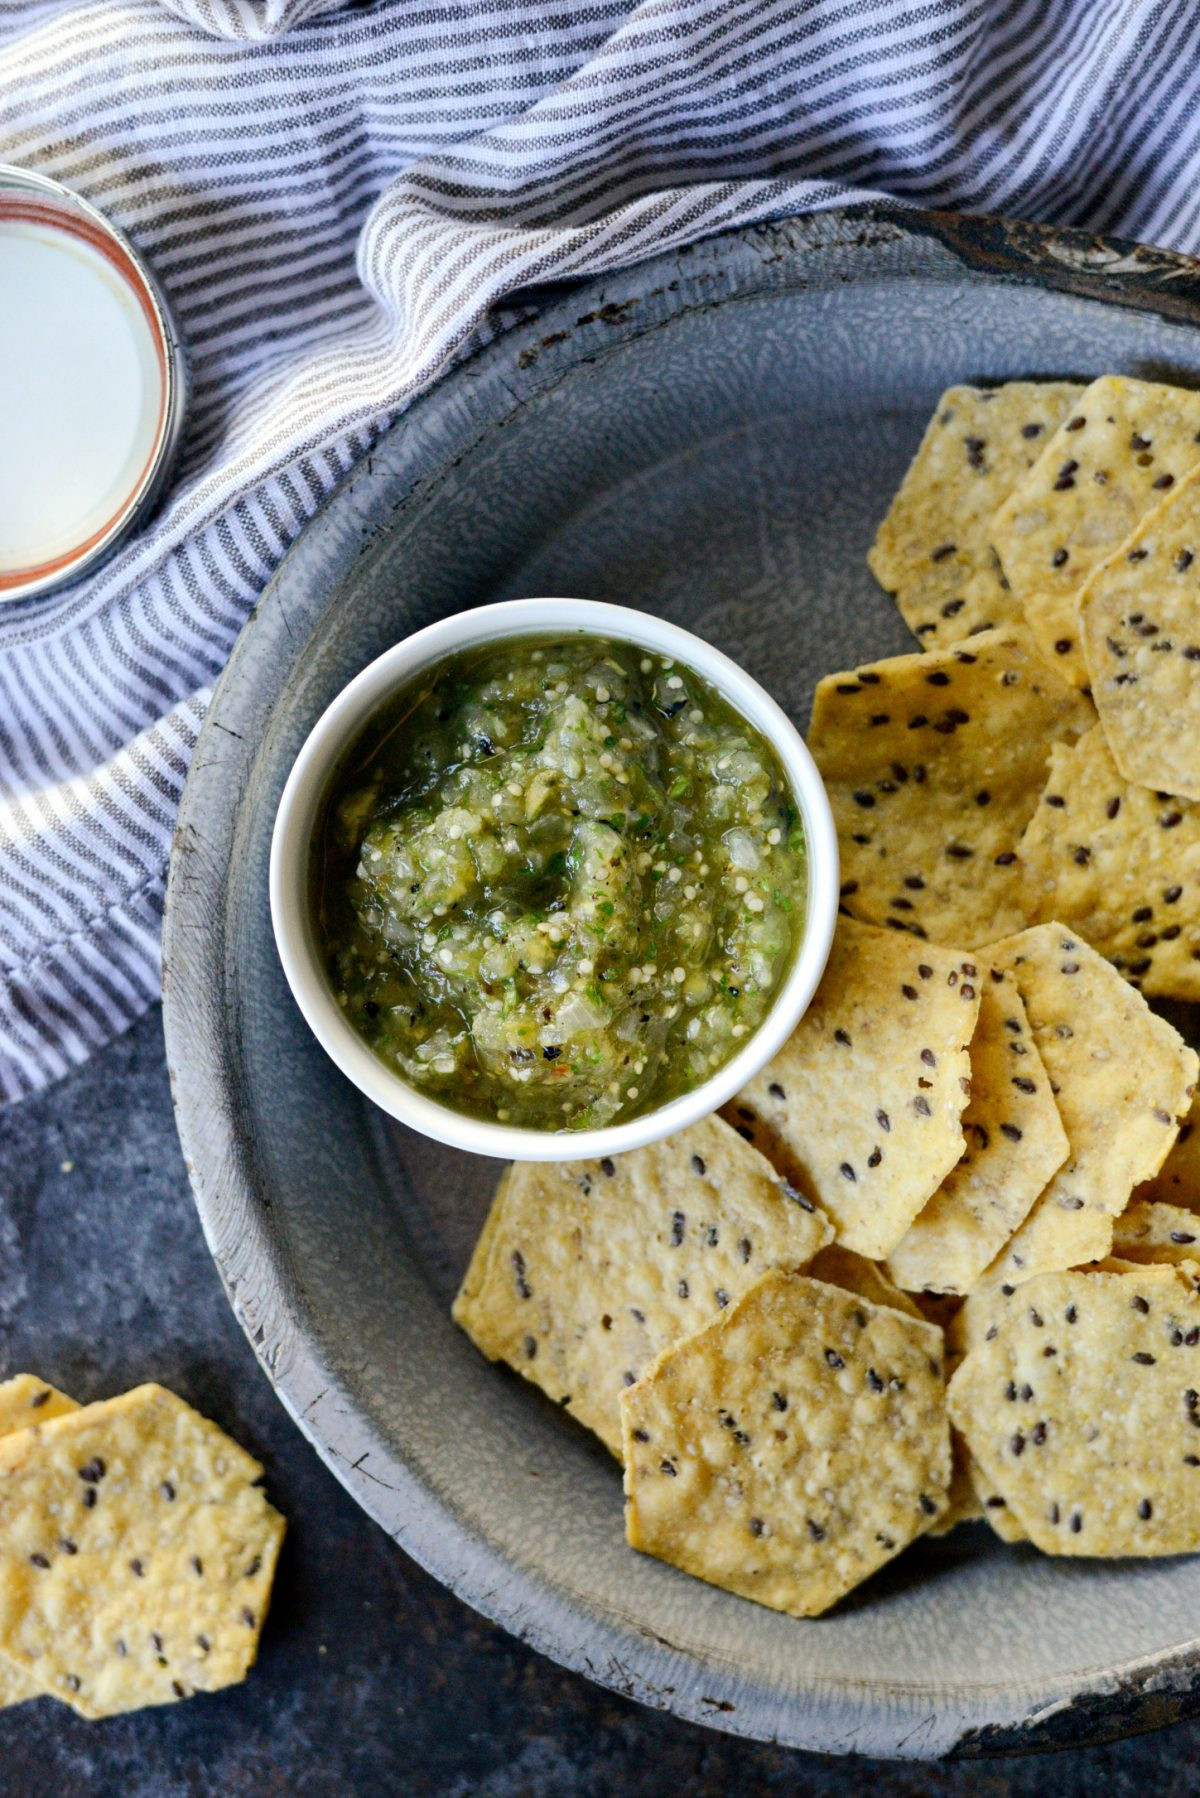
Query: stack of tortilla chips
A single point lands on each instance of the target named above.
(941, 1258)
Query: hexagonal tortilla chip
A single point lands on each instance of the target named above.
(791, 1448)
(837, 1265)
(987, 1311)
(1015, 1142)
(1122, 1078)
(586, 1270)
(963, 1503)
(993, 1506)
(1139, 613)
(1123, 446)
(1177, 1181)
(1156, 1233)
(1120, 864)
(136, 1553)
(940, 1308)
(17, 1686)
(932, 551)
(981, 1320)
(1082, 1412)
(25, 1401)
(933, 765)
(978, 1319)
(861, 1108)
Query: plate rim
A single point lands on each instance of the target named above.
(878, 1718)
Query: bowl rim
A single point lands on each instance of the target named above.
(508, 621)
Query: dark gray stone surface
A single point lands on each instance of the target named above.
(371, 1678)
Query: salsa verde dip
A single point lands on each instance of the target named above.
(558, 883)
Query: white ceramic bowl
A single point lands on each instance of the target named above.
(296, 821)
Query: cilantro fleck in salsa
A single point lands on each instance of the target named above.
(558, 883)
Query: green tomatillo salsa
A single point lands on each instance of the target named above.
(558, 883)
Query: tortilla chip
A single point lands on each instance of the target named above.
(1140, 618)
(993, 1506)
(791, 1448)
(966, 1505)
(978, 1320)
(981, 1320)
(1015, 1142)
(932, 550)
(1115, 1264)
(839, 1266)
(587, 1269)
(940, 1308)
(933, 764)
(17, 1686)
(1082, 1413)
(1120, 864)
(1156, 1233)
(1122, 1078)
(24, 1401)
(1177, 1181)
(861, 1108)
(963, 1501)
(136, 1553)
(1124, 446)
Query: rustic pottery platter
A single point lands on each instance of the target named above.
(711, 436)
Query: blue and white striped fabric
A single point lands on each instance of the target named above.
(334, 197)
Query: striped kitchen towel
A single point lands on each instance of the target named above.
(336, 196)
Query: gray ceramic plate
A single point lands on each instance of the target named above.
(714, 436)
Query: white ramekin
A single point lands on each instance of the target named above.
(296, 822)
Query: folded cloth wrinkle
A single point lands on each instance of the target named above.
(340, 198)
(252, 21)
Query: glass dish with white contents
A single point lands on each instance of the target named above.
(93, 385)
